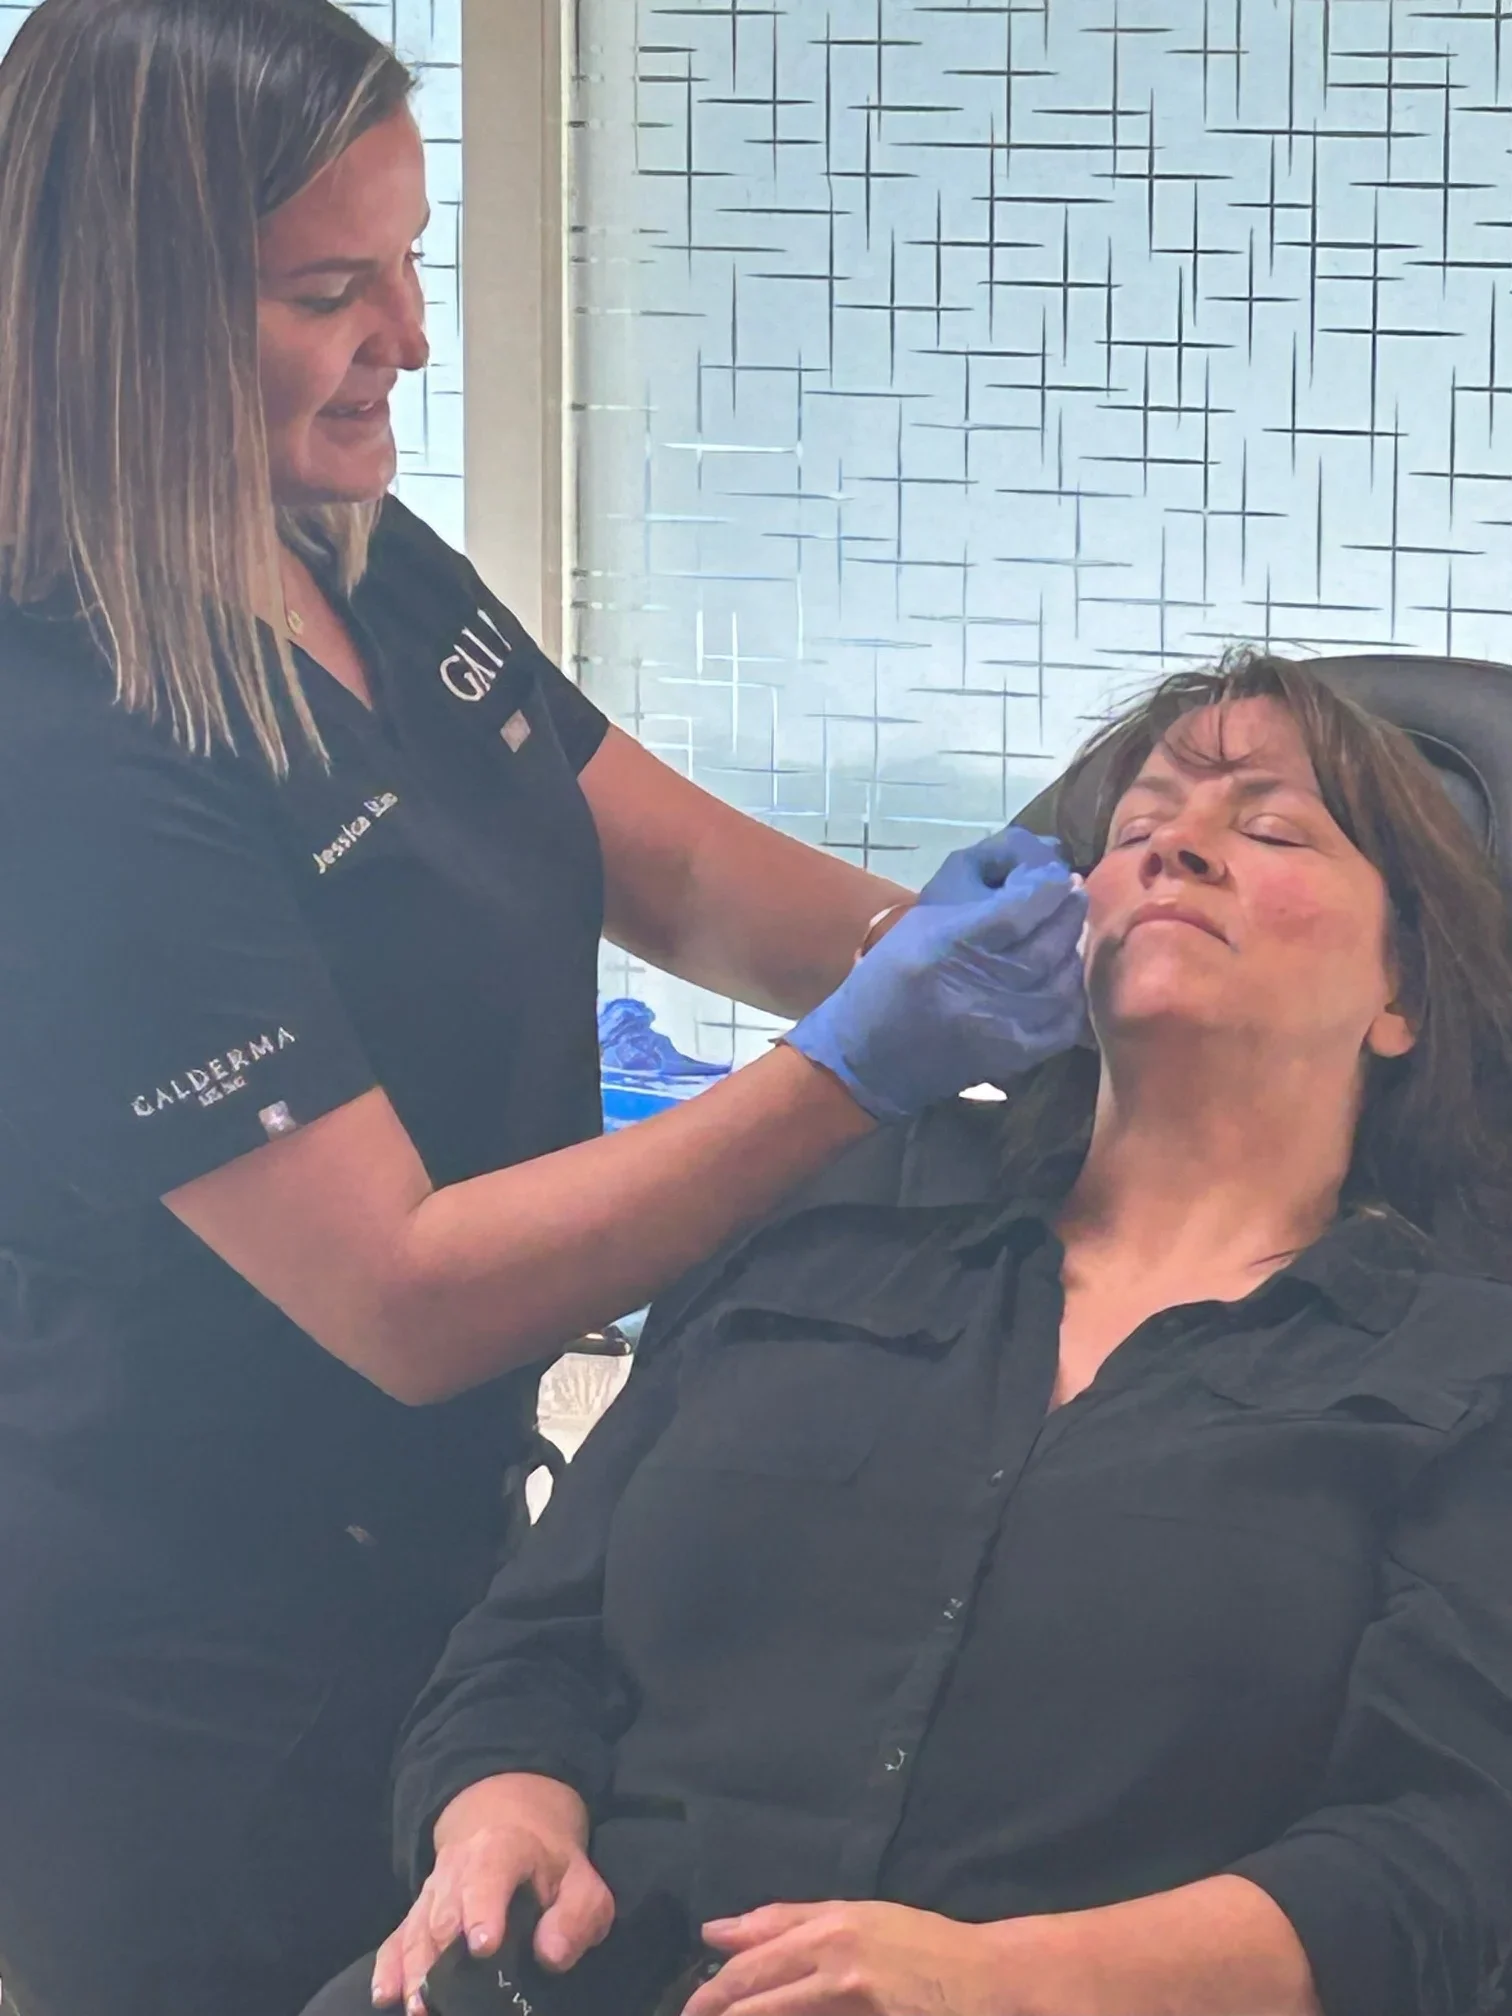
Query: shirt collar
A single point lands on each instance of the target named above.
(1025, 1219)
(1365, 1266)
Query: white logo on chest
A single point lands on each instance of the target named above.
(470, 674)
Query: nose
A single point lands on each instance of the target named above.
(404, 343)
(399, 342)
(1182, 858)
(412, 345)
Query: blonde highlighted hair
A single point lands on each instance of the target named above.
(142, 143)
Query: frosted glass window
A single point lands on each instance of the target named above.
(943, 369)
(427, 405)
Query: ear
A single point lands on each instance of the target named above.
(1391, 1034)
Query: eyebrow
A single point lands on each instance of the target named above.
(1246, 786)
(349, 267)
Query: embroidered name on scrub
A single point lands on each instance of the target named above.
(327, 857)
(216, 1079)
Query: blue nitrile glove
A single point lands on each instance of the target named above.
(978, 981)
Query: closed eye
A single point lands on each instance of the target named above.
(1141, 830)
(332, 304)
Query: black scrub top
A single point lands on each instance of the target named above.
(196, 958)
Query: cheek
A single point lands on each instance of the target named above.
(1111, 887)
(298, 372)
(1333, 935)
(1289, 906)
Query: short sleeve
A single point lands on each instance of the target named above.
(580, 726)
(166, 1008)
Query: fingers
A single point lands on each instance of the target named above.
(1015, 848)
(388, 1973)
(483, 1907)
(1000, 917)
(736, 1935)
(579, 1917)
(404, 1959)
(466, 1896)
(1039, 928)
(784, 1962)
(1031, 896)
(973, 872)
(1056, 942)
(812, 1996)
(419, 1952)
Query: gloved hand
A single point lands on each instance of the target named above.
(978, 981)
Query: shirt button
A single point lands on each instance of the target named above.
(361, 1535)
(996, 1478)
(954, 1608)
(896, 1759)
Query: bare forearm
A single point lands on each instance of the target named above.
(1216, 1948)
(717, 897)
(501, 1270)
(785, 937)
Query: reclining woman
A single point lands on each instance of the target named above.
(1062, 1565)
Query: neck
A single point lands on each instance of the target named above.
(302, 597)
(281, 593)
(1210, 1155)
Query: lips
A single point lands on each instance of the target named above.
(371, 409)
(1175, 913)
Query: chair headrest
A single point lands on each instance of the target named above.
(1457, 710)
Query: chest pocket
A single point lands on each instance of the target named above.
(775, 1395)
(1384, 1396)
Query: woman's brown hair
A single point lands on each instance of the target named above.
(1435, 1127)
(142, 143)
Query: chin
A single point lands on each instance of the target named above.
(363, 479)
(1151, 1010)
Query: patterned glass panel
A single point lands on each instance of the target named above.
(946, 367)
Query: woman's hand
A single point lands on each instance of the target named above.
(979, 980)
(494, 1837)
(854, 1960)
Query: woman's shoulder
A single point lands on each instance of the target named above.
(1458, 1330)
(55, 686)
(71, 750)
(885, 1212)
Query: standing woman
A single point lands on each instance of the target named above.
(305, 853)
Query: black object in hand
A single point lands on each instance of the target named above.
(464, 1984)
(628, 1975)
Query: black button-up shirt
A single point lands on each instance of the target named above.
(834, 1605)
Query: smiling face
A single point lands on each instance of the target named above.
(1228, 899)
(340, 315)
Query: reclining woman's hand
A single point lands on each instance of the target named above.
(854, 1960)
(493, 1837)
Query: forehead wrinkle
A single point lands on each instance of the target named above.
(1240, 784)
